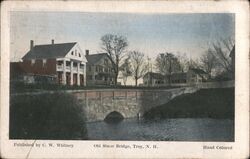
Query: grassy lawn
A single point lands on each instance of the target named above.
(46, 116)
(205, 103)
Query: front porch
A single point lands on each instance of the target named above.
(70, 78)
(70, 72)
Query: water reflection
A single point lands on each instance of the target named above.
(163, 130)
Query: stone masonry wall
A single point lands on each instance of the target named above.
(98, 104)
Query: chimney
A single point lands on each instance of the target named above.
(31, 44)
(52, 41)
(86, 52)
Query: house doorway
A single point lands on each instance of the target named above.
(81, 80)
(68, 78)
(59, 77)
(74, 79)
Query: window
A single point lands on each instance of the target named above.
(96, 77)
(105, 62)
(79, 55)
(75, 52)
(44, 62)
(59, 62)
(89, 68)
(82, 66)
(33, 61)
(72, 52)
(68, 63)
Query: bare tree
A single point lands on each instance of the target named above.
(208, 62)
(183, 61)
(193, 63)
(167, 63)
(125, 70)
(115, 46)
(138, 65)
(221, 50)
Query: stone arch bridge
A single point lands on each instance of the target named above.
(131, 103)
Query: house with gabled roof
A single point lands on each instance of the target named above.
(196, 75)
(192, 76)
(63, 61)
(99, 69)
(153, 79)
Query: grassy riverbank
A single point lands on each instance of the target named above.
(21, 87)
(47, 116)
(205, 103)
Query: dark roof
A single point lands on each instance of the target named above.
(155, 75)
(232, 53)
(94, 58)
(49, 51)
(198, 71)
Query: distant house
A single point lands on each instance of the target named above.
(153, 79)
(17, 73)
(99, 69)
(177, 78)
(192, 76)
(65, 63)
(195, 76)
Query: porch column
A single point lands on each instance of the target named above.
(64, 73)
(71, 72)
(78, 74)
(84, 74)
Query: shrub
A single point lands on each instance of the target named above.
(46, 116)
(206, 103)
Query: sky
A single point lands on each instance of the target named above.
(149, 33)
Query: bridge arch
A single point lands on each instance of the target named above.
(114, 116)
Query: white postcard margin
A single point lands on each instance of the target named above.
(167, 149)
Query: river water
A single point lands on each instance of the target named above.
(184, 129)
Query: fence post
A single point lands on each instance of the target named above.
(126, 97)
(136, 95)
(100, 96)
(86, 98)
